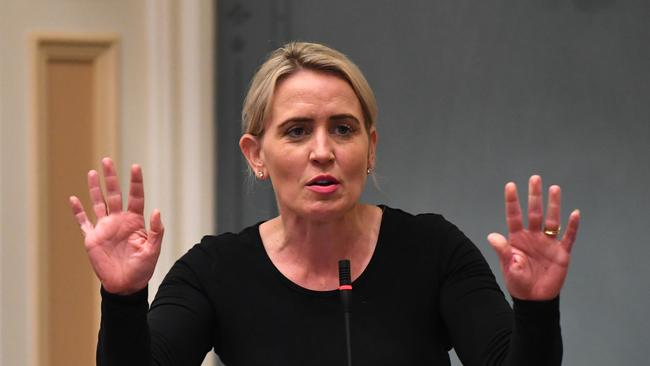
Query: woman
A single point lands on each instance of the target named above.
(267, 295)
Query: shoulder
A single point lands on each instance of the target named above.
(432, 239)
(424, 225)
(222, 249)
(430, 234)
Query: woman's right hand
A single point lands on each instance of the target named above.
(121, 251)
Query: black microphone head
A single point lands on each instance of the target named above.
(344, 272)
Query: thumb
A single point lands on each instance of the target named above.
(156, 229)
(500, 245)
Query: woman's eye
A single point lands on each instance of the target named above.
(343, 130)
(296, 132)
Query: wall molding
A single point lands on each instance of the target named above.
(181, 144)
(102, 50)
(178, 159)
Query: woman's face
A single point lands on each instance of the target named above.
(315, 149)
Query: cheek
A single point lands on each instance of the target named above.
(355, 162)
(284, 163)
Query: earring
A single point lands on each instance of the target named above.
(260, 174)
(368, 171)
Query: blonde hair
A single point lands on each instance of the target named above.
(291, 58)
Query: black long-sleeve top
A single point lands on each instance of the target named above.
(426, 289)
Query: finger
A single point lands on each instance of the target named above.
(513, 210)
(571, 231)
(535, 201)
(552, 221)
(500, 246)
(113, 193)
(136, 191)
(80, 215)
(96, 195)
(156, 229)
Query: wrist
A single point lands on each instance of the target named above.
(537, 309)
(124, 294)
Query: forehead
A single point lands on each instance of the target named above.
(314, 94)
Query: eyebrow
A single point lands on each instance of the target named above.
(336, 117)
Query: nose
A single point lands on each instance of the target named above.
(322, 151)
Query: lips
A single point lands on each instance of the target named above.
(322, 181)
(323, 184)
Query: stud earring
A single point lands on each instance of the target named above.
(368, 171)
(260, 174)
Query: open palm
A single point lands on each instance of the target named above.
(121, 251)
(533, 261)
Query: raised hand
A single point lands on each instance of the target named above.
(121, 251)
(533, 261)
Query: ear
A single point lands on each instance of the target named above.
(251, 147)
(372, 148)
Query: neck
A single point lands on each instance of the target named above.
(308, 251)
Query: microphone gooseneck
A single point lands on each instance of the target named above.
(345, 290)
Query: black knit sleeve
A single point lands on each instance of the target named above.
(178, 328)
(483, 328)
(124, 333)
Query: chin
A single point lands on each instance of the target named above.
(326, 210)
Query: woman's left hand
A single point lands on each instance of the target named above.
(534, 261)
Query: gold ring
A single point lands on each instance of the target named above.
(551, 232)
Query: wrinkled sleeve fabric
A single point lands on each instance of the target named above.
(483, 328)
(178, 328)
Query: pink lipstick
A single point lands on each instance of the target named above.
(323, 183)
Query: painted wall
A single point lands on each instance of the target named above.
(472, 95)
(165, 110)
(19, 19)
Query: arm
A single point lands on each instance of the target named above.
(534, 263)
(124, 333)
(483, 328)
(123, 255)
(177, 330)
(182, 319)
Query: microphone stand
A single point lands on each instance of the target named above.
(345, 290)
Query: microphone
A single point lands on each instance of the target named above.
(345, 290)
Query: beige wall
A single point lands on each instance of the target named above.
(150, 80)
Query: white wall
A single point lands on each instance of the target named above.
(2, 206)
(165, 99)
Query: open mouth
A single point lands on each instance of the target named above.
(323, 181)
